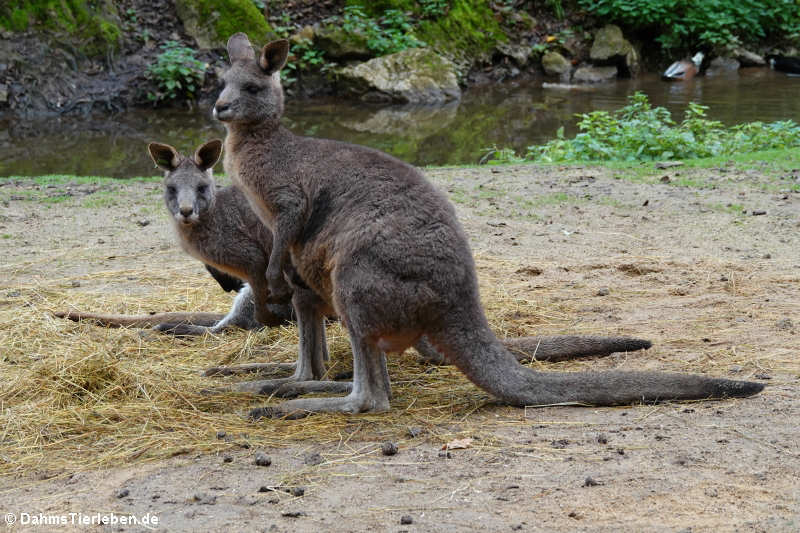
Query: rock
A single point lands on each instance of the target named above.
(406, 519)
(341, 45)
(306, 33)
(594, 74)
(555, 64)
(590, 482)
(262, 459)
(389, 448)
(785, 324)
(720, 65)
(747, 58)
(211, 23)
(611, 48)
(519, 53)
(227, 459)
(523, 19)
(602, 291)
(204, 499)
(416, 75)
(121, 493)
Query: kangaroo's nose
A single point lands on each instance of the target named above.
(221, 106)
(186, 211)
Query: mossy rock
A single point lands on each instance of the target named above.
(416, 75)
(611, 48)
(93, 27)
(555, 64)
(341, 45)
(469, 30)
(210, 23)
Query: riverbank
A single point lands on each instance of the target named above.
(80, 58)
(702, 259)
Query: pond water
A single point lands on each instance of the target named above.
(506, 115)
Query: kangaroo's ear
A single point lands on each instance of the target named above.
(208, 154)
(164, 156)
(273, 56)
(239, 48)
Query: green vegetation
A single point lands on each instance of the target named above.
(91, 25)
(386, 33)
(176, 72)
(684, 25)
(640, 132)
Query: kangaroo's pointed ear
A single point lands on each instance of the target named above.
(273, 56)
(239, 48)
(164, 156)
(208, 154)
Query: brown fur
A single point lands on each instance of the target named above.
(383, 248)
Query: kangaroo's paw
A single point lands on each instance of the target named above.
(298, 388)
(250, 368)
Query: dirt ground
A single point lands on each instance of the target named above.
(704, 262)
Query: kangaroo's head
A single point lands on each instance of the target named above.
(252, 93)
(189, 187)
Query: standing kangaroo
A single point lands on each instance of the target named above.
(383, 248)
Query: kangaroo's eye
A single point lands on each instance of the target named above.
(202, 189)
(171, 190)
(252, 89)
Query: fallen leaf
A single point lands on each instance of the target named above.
(458, 444)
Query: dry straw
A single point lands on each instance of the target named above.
(76, 396)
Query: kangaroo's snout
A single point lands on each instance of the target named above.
(186, 211)
(221, 110)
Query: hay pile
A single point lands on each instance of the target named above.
(76, 396)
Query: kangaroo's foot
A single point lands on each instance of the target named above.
(289, 387)
(250, 368)
(294, 409)
(370, 392)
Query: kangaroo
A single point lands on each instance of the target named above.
(219, 228)
(383, 249)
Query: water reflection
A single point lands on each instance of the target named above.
(514, 115)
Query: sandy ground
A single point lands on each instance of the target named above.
(683, 257)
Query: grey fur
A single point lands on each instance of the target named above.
(383, 248)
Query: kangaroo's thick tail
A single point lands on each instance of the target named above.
(551, 349)
(472, 347)
(142, 321)
(566, 347)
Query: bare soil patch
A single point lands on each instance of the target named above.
(559, 250)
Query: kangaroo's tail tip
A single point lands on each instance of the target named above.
(638, 344)
(737, 389)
